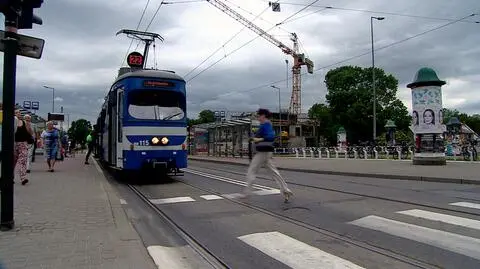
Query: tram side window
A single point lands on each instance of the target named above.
(156, 105)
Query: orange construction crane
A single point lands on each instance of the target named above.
(299, 59)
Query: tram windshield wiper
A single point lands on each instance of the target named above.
(174, 115)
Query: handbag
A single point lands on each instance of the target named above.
(30, 141)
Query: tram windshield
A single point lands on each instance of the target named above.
(156, 105)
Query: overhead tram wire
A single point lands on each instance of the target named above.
(356, 56)
(241, 8)
(223, 46)
(153, 18)
(136, 29)
(245, 44)
(381, 12)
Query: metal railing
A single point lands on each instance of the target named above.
(365, 153)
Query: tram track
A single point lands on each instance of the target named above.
(328, 233)
(199, 248)
(194, 243)
(383, 198)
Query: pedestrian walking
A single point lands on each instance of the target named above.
(31, 142)
(264, 139)
(89, 145)
(23, 136)
(51, 144)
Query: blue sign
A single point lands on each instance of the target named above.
(27, 104)
(35, 105)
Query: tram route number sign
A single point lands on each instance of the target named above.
(135, 60)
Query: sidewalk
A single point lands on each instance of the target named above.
(453, 172)
(71, 218)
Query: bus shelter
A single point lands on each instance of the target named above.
(223, 138)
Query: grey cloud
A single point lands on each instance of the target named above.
(81, 41)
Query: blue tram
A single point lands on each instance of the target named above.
(143, 123)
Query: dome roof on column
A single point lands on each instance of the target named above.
(426, 77)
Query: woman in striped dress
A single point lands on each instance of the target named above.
(51, 144)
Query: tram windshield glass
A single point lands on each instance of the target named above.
(156, 105)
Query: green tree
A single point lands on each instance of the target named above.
(350, 99)
(328, 127)
(206, 116)
(472, 121)
(79, 130)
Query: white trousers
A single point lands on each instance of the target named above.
(264, 159)
(30, 155)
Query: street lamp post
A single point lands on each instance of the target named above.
(286, 87)
(373, 80)
(279, 113)
(53, 97)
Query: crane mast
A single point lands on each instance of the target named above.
(299, 59)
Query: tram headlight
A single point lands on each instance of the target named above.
(155, 140)
(164, 140)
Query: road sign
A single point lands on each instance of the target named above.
(275, 6)
(56, 117)
(35, 105)
(27, 104)
(28, 46)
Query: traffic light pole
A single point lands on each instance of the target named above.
(9, 80)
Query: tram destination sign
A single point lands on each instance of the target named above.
(154, 84)
(28, 46)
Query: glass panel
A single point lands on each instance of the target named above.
(156, 105)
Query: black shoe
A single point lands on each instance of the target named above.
(87, 163)
(28, 171)
(24, 181)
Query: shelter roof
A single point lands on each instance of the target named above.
(223, 124)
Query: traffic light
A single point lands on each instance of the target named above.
(27, 18)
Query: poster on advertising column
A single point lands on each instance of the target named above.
(427, 115)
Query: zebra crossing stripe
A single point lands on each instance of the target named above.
(459, 221)
(467, 204)
(294, 253)
(460, 244)
(172, 200)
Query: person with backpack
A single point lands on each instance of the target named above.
(264, 139)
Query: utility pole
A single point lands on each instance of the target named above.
(373, 80)
(279, 114)
(9, 81)
(18, 15)
(53, 97)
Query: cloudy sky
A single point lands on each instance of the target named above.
(82, 55)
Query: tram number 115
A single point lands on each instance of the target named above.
(142, 143)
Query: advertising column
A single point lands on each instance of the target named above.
(427, 118)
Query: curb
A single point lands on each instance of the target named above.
(354, 174)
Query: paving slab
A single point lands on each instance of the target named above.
(71, 218)
(453, 172)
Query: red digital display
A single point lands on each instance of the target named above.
(153, 83)
(135, 59)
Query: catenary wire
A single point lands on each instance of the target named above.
(353, 57)
(151, 21)
(138, 26)
(382, 12)
(223, 46)
(242, 46)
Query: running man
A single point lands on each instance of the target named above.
(264, 139)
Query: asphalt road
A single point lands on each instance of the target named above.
(331, 222)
